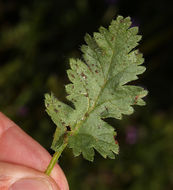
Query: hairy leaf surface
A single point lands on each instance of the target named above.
(99, 90)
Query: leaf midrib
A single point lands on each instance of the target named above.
(77, 127)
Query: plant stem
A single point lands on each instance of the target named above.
(55, 159)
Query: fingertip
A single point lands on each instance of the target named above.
(16, 177)
(33, 184)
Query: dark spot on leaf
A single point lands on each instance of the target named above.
(86, 115)
(72, 76)
(56, 111)
(83, 75)
(96, 71)
(116, 142)
(59, 106)
(122, 20)
(72, 86)
(65, 137)
(68, 128)
(86, 95)
(106, 109)
(136, 99)
(93, 65)
(63, 123)
(112, 38)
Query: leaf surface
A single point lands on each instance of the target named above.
(99, 90)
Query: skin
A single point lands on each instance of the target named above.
(22, 157)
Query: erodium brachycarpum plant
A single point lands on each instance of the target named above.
(98, 90)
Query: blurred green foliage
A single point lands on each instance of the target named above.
(36, 40)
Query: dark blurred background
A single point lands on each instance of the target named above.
(37, 38)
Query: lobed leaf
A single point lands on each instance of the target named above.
(99, 90)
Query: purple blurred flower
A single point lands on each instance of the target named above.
(23, 111)
(131, 135)
(112, 2)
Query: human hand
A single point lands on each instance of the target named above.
(23, 161)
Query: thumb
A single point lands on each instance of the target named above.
(16, 177)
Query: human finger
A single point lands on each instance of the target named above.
(19, 148)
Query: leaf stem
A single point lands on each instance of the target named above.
(55, 159)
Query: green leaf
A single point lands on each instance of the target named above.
(99, 90)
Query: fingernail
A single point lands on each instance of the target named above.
(31, 184)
